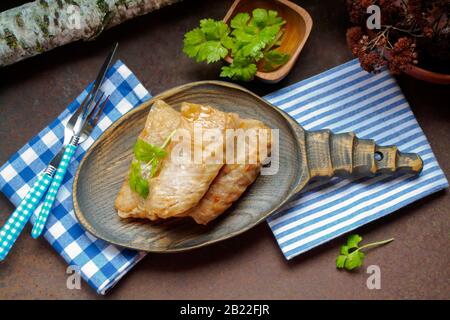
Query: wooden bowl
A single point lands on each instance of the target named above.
(301, 155)
(298, 27)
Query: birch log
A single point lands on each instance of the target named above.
(42, 25)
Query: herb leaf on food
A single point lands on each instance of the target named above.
(145, 152)
(148, 156)
(137, 182)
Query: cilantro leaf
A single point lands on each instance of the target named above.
(260, 17)
(263, 18)
(253, 37)
(274, 59)
(214, 29)
(144, 151)
(240, 20)
(137, 182)
(240, 69)
(340, 261)
(344, 250)
(192, 42)
(354, 260)
(353, 240)
(148, 157)
(273, 18)
(212, 51)
(210, 42)
(351, 256)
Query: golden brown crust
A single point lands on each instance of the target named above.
(229, 184)
(202, 191)
(180, 185)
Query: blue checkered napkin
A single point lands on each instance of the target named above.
(346, 98)
(99, 263)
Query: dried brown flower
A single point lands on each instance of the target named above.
(402, 55)
(409, 27)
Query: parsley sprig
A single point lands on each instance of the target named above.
(210, 42)
(146, 162)
(249, 41)
(351, 256)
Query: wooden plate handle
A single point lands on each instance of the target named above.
(344, 154)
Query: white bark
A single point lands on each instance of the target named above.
(42, 25)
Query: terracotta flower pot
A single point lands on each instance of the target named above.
(429, 76)
(423, 74)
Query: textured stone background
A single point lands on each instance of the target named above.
(35, 91)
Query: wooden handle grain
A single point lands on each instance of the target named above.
(344, 154)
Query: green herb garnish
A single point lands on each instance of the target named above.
(210, 42)
(148, 157)
(251, 39)
(145, 152)
(274, 59)
(137, 182)
(351, 256)
(240, 69)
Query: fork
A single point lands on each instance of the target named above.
(76, 131)
(91, 120)
(18, 219)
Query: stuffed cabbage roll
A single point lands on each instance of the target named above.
(233, 179)
(184, 180)
(161, 121)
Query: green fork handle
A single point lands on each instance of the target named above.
(53, 190)
(18, 219)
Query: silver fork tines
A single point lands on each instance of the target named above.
(97, 110)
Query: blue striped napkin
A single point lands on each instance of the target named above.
(98, 262)
(347, 98)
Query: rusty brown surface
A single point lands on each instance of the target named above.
(34, 92)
